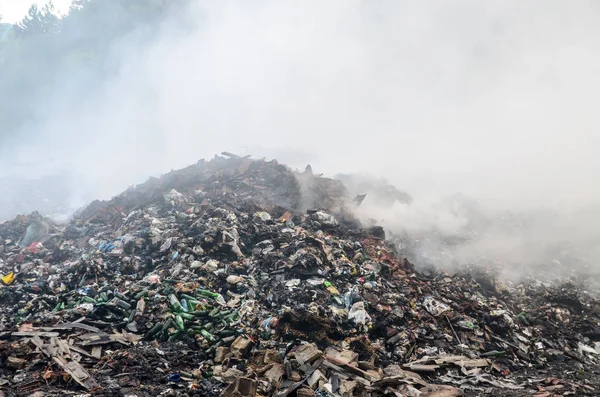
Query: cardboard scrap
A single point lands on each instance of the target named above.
(56, 350)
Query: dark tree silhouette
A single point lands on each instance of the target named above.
(45, 53)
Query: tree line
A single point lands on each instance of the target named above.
(45, 52)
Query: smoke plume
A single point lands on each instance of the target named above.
(494, 100)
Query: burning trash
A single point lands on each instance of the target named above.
(240, 277)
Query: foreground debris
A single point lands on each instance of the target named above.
(238, 277)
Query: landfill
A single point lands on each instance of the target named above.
(239, 277)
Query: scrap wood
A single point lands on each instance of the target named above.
(371, 376)
(97, 351)
(67, 326)
(77, 372)
(462, 361)
(445, 359)
(421, 367)
(399, 379)
(62, 345)
(477, 363)
(74, 369)
(291, 388)
(102, 338)
(35, 333)
(82, 351)
(345, 373)
(440, 391)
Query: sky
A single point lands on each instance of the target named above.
(486, 98)
(12, 11)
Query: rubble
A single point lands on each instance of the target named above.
(239, 277)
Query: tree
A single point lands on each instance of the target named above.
(47, 53)
(40, 22)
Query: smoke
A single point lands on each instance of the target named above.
(496, 100)
(454, 232)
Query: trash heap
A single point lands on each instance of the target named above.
(238, 277)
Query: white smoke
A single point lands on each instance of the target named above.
(496, 100)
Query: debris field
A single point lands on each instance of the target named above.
(238, 277)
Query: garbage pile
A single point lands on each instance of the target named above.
(240, 278)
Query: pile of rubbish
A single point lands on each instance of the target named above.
(240, 278)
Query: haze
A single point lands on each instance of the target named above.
(496, 100)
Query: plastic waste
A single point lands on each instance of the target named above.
(174, 196)
(8, 278)
(264, 216)
(581, 347)
(270, 323)
(435, 307)
(331, 288)
(325, 218)
(233, 279)
(292, 283)
(153, 278)
(181, 280)
(35, 232)
(358, 313)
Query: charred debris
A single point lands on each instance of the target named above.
(239, 277)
